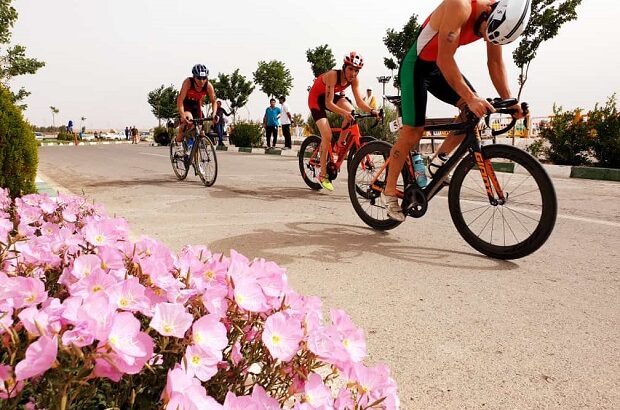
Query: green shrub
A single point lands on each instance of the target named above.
(247, 134)
(380, 131)
(537, 148)
(604, 123)
(569, 138)
(64, 136)
(162, 135)
(18, 149)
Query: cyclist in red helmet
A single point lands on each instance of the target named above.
(190, 98)
(327, 94)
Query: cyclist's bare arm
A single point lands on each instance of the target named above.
(181, 98)
(497, 72)
(449, 18)
(329, 79)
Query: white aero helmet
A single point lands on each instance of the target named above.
(508, 20)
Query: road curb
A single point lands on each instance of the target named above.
(603, 174)
(81, 143)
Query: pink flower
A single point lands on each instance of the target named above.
(249, 295)
(233, 402)
(123, 337)
(97, 313)
(9, 388)
(40, 356)
(129, 295)
(184, 392)
(326, 343)
(27, 292)
(86, 265)
(282, 336)
(317, 395)
(264, 401)
(96, 282)
(210, 334)
(100, 233)
(214, 299)
(78, 336)
(171, 319)
(200, 363)
(6, 320)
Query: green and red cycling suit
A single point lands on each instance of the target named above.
(420, 74)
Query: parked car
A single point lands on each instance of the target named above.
(111, 136)
(39, 135)
(87, 137)
(145, 135)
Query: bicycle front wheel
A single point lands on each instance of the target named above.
(206, 162)
(516, 228)
(310, 161)
(366, 181)
(177, 159)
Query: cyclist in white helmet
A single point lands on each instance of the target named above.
(429, 66)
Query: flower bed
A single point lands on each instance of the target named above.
(90, 319)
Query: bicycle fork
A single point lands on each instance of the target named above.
(490, 179)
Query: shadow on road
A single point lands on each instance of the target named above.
(337, 243)
(270, 193)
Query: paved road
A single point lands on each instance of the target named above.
(458, 330)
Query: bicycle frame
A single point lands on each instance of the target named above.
(471, 143)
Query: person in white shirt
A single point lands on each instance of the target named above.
(285, 122)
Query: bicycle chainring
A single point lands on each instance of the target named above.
(414, 203)
(332, 171)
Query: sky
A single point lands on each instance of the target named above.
(103, 57)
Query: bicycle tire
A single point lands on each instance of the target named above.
(516, 171)
(177, 160)
(309, 167)
(363, 140)
(205, 161)
(366, 201)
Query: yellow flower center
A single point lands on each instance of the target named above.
(97, 288)
(113, 340)
(209, 275)
(197, 338)
(99, 239)
(275, 339)
(168, 328)
(196, 360)
(31, 298)
(345, 342)
(123, 302)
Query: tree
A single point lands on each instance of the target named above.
(13, 61)
(545, 22)
(398, 43)
(321, 59)
(274, 78)
(163, 102)
(234, 89)
(54, 112)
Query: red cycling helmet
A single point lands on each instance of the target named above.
(355, 60)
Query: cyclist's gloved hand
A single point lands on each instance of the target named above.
(480, 106)
(349, 117)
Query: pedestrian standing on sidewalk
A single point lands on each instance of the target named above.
(270, 122)
(134, 135)
(285, 122)
(127, 133)
(220, 122)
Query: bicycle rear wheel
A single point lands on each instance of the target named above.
(516, 228)
(366, 164)
(310, 161)
(177, 159)
(206, 161)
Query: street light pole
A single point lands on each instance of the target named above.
(383, 79)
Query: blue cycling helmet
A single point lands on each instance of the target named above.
(200, 71)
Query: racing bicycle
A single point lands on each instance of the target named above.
(310, 156)
(501, 200)
(196, 150)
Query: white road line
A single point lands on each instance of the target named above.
(155, 155)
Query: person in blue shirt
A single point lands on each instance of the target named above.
(271, 123)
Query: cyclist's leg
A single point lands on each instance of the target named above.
(183, 126)
(344, 103)
(326, 138)
(414, 83)
(439, 87)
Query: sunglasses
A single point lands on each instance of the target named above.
(200, 78)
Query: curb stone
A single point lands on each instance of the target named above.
(554, 171)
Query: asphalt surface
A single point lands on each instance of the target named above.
(458, 330)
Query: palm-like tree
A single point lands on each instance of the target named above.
(54, 112)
